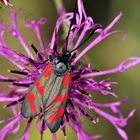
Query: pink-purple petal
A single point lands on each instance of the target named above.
(126, 64)
(10, 127)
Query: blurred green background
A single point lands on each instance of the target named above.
(105, 55)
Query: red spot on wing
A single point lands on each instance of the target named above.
(65, 96)
(30, 97)
(52, 118)
(48, 70)
(33, 108)
(59, 99)
(37, 83)
(60, 112)
(40, 89)
(67, 79)
(57, 115)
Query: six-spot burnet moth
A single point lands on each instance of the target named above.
(49, 94)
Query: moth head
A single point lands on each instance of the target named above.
(66, 55)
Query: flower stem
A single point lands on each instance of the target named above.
(59, 4)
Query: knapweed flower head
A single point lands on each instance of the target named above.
(81, 27)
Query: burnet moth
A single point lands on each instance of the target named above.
(50, 92)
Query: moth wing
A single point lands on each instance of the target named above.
(55, 111)
(34, 100)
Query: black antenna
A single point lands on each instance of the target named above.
(98, 26)
(72, 22)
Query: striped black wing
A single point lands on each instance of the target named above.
(37, 96)
(58, 99)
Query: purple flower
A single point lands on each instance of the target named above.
(30, 68)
